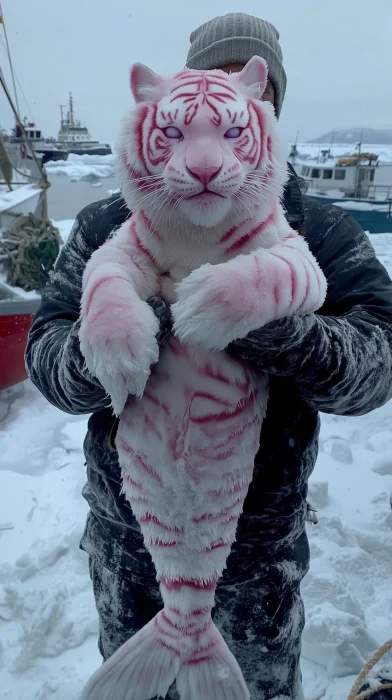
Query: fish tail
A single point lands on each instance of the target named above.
(143, 668)
(211, 672)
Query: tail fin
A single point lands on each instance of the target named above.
(212, 673)
(143, 668)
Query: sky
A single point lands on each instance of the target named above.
(337, 55)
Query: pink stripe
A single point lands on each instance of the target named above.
(97, 285)
(156, 401)
(194, 583)
(150, 227)
(226, 415)
(247, 237)
(226, 236)
(139, 134)
(139, 461)
(211, 516)
(148, 518)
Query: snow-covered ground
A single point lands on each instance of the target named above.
(48, 624)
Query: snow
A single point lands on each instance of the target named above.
(362, 206)
(18, 195)
(85, 168)
(338, 150)
(48, 622)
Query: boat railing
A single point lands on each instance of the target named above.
(378, 192)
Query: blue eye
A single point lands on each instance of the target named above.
(234, 132)
(171, 132)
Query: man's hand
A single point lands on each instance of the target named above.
(287, 338)
(162, 311)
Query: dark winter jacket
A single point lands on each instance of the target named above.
(338, 361)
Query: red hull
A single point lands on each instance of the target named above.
(13, 339)
(16, 316)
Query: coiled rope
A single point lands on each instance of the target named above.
(362, 676)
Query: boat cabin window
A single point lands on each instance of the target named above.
(327, 174)
(372, 175)
(315, 172)
(340, 174)
(303, 170)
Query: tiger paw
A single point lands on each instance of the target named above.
(119, 346)
(209, 311)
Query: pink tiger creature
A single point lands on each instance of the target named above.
(202, 170)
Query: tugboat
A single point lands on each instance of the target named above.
(75, 137)
(44, 148)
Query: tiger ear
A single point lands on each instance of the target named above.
(254, 74)
(146, 85)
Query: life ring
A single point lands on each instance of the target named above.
(23, 151)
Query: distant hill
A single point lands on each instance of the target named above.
(354, 136)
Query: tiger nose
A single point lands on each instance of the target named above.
(205, 175)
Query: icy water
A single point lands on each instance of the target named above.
(67, 198)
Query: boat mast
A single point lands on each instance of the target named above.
(71, 117)
(9, 58)
(62, 117)
(358, 166)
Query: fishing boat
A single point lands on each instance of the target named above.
(22, 190)
(46, 149)
(23, 187)
(357, 182)
(74, 137)
(20, 194)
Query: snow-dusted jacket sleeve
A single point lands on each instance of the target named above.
(340, 359)
(53, 357)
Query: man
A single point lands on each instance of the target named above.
(339, 361)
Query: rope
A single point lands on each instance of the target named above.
(370, 664)
(29, 249)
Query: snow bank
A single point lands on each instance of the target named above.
(84, 168)
(48, 623)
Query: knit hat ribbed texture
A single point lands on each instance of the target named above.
(235, 38)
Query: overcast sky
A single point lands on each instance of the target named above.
(337, 55)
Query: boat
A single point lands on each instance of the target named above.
(22, 190)
(23, 187)
(357, 182)
(16, 317)
(75, 137)
(46, 149)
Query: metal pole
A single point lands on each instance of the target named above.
(9, 57)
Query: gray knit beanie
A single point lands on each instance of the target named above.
(235, 38)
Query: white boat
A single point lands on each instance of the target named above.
(46, 149)
(24, 189)
(357, 182)
(75, 138)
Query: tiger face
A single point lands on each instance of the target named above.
(202, 143)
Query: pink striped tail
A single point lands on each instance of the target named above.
(179, 644)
